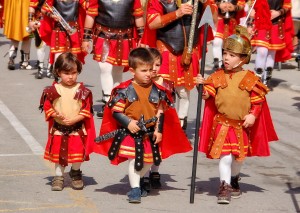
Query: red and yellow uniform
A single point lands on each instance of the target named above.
(271, 33)
(226, 27)
(173, 141)
(54, 34)
(172, 68)
(1, 12)
(232, 96)
(68, 147)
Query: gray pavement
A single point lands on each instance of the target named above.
(269, 184)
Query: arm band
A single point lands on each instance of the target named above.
(140, 31)
(87, 34)
(255, 110)
(122, 119)
(161, 122)
(168, 18)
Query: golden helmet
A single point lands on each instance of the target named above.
(239, 43)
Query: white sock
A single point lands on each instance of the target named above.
(59, 170)
(134, 176)
(225, 168)
(184, 101)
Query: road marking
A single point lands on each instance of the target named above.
(13, 155)
(35, 147)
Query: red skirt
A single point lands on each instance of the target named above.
(269, 39)
(225, 30)
(127, 149)
(75, 149)
(113, 45)
(231, 144)
(60, 42)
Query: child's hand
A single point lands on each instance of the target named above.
(275, 14)
(199, 79)
(68, 121)
(157, 137)
(58, 115)
(249, 120)
(133, 127)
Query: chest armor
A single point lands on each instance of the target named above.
(276, 5)
(173, 33)
(115, 13)
(68, 9)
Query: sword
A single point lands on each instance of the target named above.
(141, 124)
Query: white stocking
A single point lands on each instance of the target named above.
(110, 76)
(217, 49)
(59, 170)
(184, 101)
(134, 176)
(270, 58)
(225, 168)
(13, 45)
(41, 53)
(261, 57)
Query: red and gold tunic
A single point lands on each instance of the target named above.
(271, 36)
(232, 95)
(69, 101)
(57, 38)
(226, 27)
(172, 68)
(112, 44)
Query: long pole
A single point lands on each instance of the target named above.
(198, 117)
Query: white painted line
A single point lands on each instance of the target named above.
(13, 155)
(36, 148)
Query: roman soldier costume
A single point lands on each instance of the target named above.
(227, 21)
(73, 13)
(133, 100)
(115, 33)
(68, 144)
(232, 96)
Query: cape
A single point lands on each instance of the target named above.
(174, 140)
(262, 131)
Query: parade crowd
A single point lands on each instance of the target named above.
(160, 44)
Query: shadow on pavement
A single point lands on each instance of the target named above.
(293, 191)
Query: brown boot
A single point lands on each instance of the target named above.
(57, 183)
(224, 195)
(77, 182)
(236, 191)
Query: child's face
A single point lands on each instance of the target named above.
(156, 67)
(231, 60)
(68, 78)
(142, 74)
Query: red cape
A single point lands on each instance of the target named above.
(174, 139)
(262, 131)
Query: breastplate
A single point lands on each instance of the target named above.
(68, 9)
(175, 33)
(115, 14)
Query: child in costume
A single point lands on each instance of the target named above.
(143, 136)
(68, 109)
(236, 121)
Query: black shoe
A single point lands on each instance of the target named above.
(145, 185)
(184, 123)
(155, 180)
(101, 112)
(40, 73)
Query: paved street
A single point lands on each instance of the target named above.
(268, 184)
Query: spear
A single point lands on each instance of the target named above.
(206, 20)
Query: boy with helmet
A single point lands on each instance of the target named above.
(235, 116)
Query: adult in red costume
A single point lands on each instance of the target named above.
(60, 40)
(166, 32)
(1, 13)
(230, 13)
(116, 31)
(236, 122)
(272, 35)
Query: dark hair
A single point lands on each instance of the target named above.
(139, 56)
(155, 53)
(66, 62)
